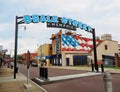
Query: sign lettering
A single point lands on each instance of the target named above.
(58, 22)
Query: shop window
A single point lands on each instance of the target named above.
(106, 47)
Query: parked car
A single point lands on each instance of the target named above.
(34, 63)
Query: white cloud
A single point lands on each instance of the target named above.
(103, 15)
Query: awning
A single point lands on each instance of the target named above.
(39, 57)
(49, 57)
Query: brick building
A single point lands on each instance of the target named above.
(73, 49)
(24, 57)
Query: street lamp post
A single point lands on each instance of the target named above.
(16, 42)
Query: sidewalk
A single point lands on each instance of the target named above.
(9, 84)
(66, 77)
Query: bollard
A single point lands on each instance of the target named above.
(92, 65)
(40, 72)
(46, 73)
(43, 73)
(102, 68)
(96, 68)
(108, 82)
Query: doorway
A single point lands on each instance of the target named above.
(67, 61)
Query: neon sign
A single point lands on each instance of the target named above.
(58, 22)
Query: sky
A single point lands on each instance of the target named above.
(103, 15)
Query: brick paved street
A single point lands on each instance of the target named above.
(86, 84)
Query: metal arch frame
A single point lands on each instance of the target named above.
(19, 20)
(95, 50)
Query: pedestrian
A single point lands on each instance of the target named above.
(4, 62)
(8, 65)
(1, 61)
(11, 65)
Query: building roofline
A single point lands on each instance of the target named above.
(54, 35)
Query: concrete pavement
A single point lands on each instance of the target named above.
(66, 77)
(9, 84)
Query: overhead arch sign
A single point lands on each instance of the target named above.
(57, 22)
